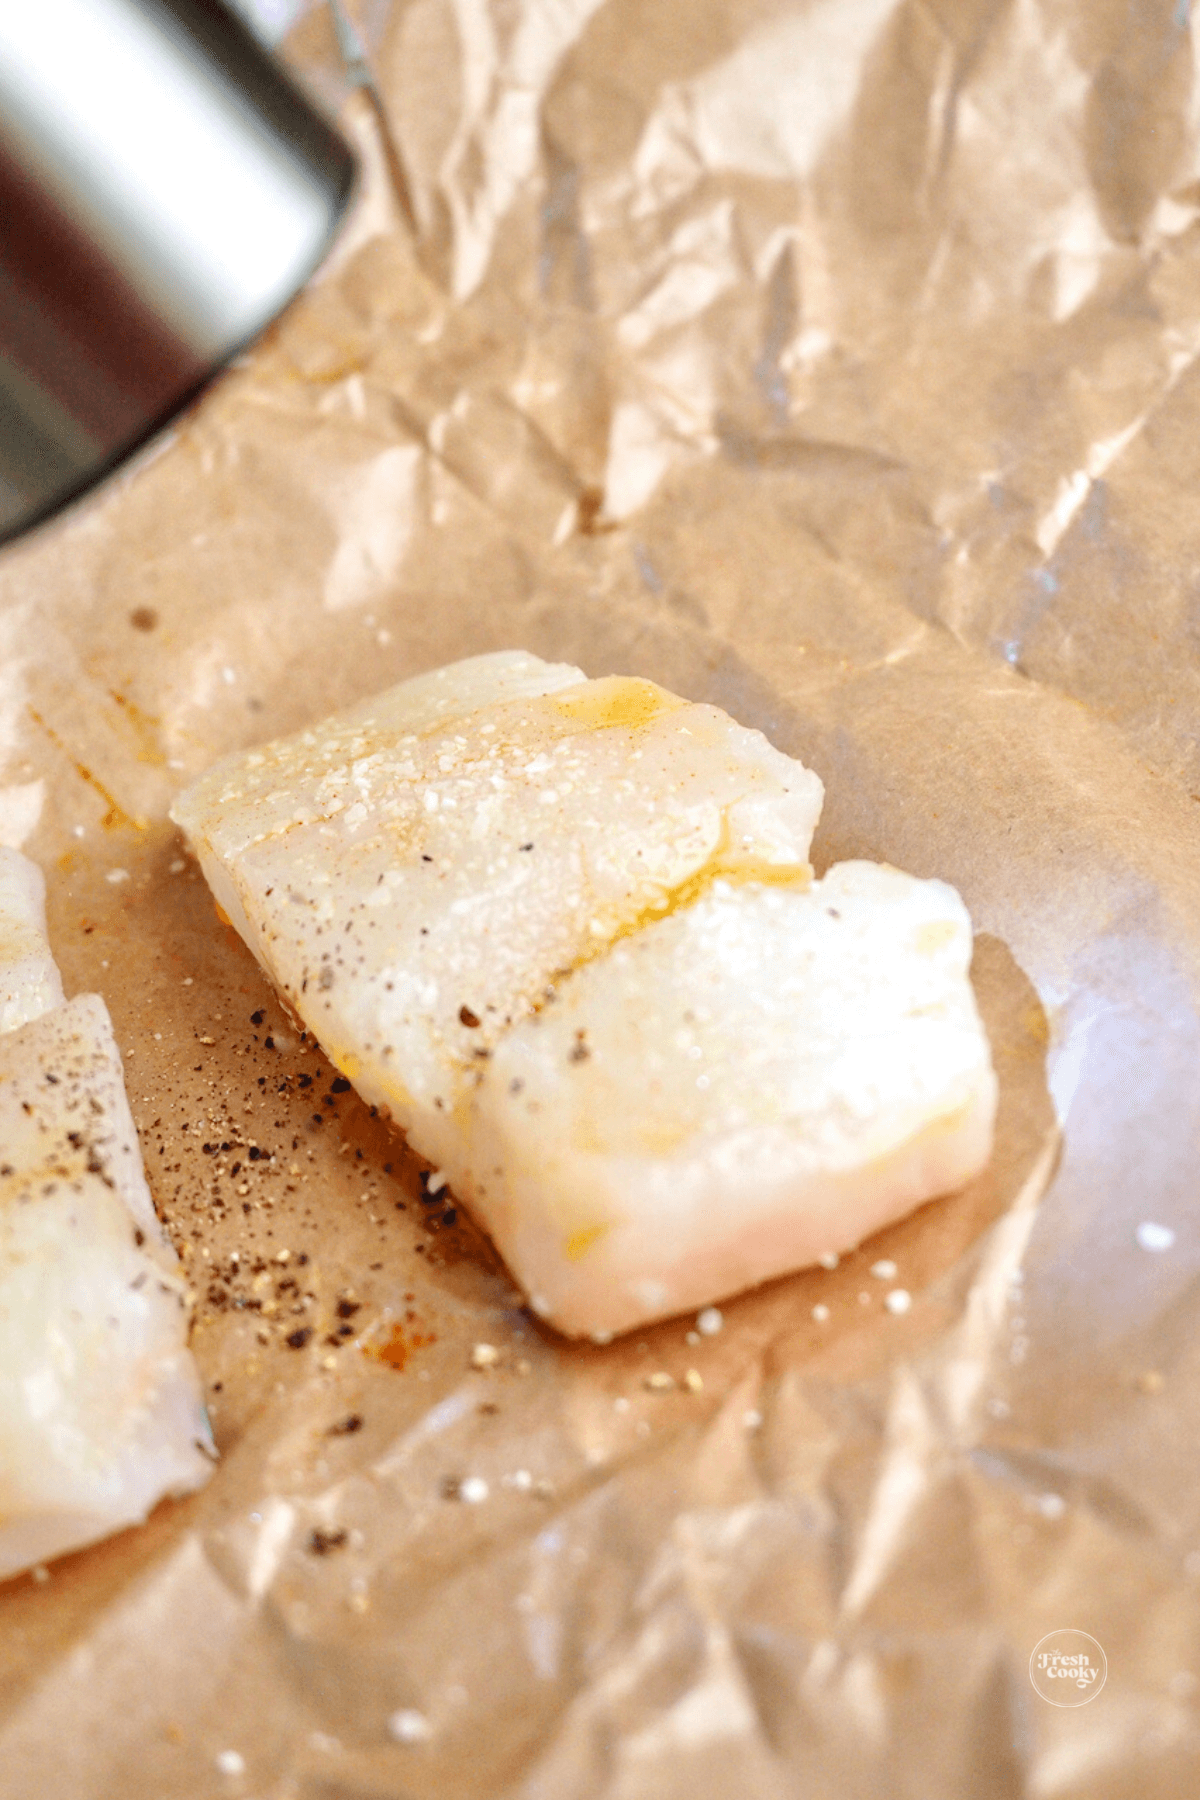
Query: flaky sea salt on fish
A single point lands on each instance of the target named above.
(565, 933)
(767, 1074)
(100, 1406)
(420, 872)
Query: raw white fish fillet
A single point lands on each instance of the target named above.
(30, 983)
(416, 874)
(100, 1406)
(767, 1075)
(565, 932)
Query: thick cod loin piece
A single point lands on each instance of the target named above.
(100, 1406)
(565, 932)
(417, 874)
(765, 1076)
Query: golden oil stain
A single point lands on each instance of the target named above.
(116, 817)
(615, 700)
(581, 1241)
(1035, 1025)
(145, 727)
(935, 936)
(395, 1349)
(661, 1138)
(725, 864)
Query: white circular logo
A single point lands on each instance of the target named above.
(1068, 1668)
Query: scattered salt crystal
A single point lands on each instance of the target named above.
(1051, 1506)
(602, 1337)
(693, 1381)
(40, 1572)
(473, 1489)
(710, 1321)
(408, 1726)
(231, 1762)
(884, 1270)
(820, 1314)
(621, 1404)
(828, 1259)
(692, 1339)
(1154, 1237)
(660, 1382)
(752, 1420)
(116, 875)
(177, 867)
(435, 1181)
(898, 1301)
(520, 1479)
(484, 1356)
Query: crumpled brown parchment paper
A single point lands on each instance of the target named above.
(837, 363)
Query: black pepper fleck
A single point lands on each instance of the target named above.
(321, 1542)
